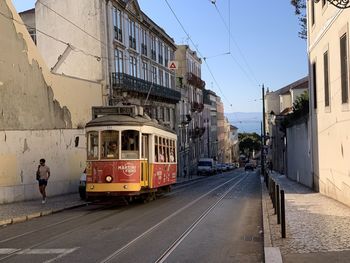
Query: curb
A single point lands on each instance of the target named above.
(20, 219)
(272, 254)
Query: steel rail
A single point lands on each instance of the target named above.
(164, 220)
(182, 237)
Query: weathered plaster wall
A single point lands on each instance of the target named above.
(37, 111)
(20, 152)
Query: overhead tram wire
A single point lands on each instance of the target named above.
(238, 48)
(200, 54)
(75, 25)
(75, 49)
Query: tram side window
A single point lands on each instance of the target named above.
(110, 144)
(156, 149)
(172, 151)
(92, 146)
(130, 144)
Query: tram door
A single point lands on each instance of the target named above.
(145, 160)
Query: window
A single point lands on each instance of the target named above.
(166, 56)
(144, 70)
(312, 10)
(314, 82)
(144, 41)
(167, 84)
(92, 146)
(161, 77)
(160, 52)
(110, 144)
(326, 79)
(154, 74)
(153, 48)
(130, 144)
(32, 33)
(132, 34)
(119, 62)
(117, 22)
(344, 69)
(133, 66)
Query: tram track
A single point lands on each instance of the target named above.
(188, 231)
(124, 248)
(55, 237)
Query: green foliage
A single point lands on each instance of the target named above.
(300, 11)
(300, 110)
(249, 142)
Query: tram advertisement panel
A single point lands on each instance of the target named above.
(164, 174)
(121, 171)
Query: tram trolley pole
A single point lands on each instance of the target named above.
(283, 215)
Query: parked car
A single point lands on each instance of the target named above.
(231, 166)
(249, 166)
(222, 167)
(82, 185)
(206, 166)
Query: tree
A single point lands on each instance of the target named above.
(249, 142)
(300, 11)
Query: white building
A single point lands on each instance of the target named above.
(328, 49)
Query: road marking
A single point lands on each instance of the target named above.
(39, 251)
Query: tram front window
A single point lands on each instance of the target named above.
(130, 144)
(92, 146)
(110, 144)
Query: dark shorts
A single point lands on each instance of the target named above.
(42, 182)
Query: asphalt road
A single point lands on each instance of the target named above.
(217, 219)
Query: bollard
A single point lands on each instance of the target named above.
(283, 215)
(273, 195)
(278, 204)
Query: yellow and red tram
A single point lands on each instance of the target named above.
(128, 154)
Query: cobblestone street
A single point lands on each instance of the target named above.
(314, 223)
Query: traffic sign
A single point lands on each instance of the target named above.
(173, 65)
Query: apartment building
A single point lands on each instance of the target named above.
(114, 43)
(191, 128)
(328, 49)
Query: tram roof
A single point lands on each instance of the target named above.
(125, 120)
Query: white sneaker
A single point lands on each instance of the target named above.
(43, 201)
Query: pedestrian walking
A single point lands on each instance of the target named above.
(44, 175)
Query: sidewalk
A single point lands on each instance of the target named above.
(317, 227)
(26, 210)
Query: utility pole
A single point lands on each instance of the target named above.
(263, 135)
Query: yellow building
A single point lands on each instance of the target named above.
(328, 48)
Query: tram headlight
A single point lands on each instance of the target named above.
(109, 178)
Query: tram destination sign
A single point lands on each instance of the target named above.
(124, 110)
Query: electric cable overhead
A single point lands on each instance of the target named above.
(69, 21)
(238, 48)
(200, 54)
(75, 49)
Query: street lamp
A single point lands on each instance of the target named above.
(342, 4)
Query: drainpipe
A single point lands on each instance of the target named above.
(107, 63)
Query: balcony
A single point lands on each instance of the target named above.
(125, 82)
(197, 106)
(195, 81)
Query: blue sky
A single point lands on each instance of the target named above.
(263, 44)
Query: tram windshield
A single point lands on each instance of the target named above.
(109, 144)
(130, 144)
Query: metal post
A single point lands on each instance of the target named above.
(283, 215)
(278, 204)
(263, 133)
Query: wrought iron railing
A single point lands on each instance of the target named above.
(125, 82)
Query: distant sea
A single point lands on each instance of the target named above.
(246, 121)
